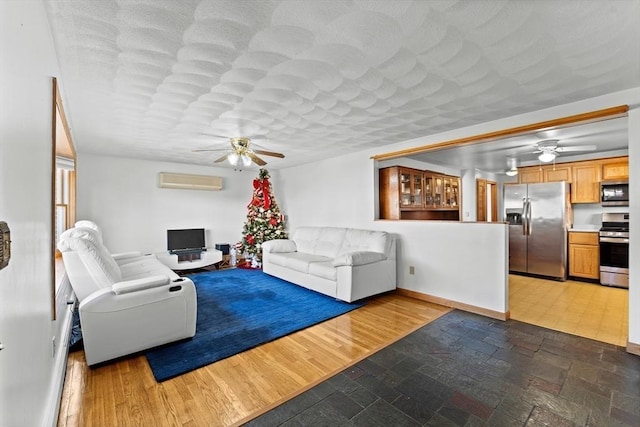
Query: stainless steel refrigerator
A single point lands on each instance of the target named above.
(538, 216)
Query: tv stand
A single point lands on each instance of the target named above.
(190, 259)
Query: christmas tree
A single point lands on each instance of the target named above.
(264, 220)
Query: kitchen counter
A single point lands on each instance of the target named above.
(585, 228)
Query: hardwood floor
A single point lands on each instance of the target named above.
(237, 389)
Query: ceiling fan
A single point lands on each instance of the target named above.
(242, 152)
(512, 164)
(549, 149)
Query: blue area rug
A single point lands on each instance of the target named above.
(240, 309)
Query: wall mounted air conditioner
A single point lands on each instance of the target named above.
(190, 182)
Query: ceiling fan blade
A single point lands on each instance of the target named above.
(221, 159)
(214, 135)
(269, 153)
(577, 148)
(257, 160)
(209, 149)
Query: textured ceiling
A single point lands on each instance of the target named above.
(314, 79)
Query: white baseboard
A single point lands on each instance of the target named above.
(59, 368)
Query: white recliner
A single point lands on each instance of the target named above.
(127, 305)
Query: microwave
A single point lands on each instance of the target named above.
(614, 193)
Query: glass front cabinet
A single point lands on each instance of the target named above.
(407, 193)
(410, 188)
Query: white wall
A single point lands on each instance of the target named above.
(340, 192)
(28, 369)
(123, 197)
(344, 197)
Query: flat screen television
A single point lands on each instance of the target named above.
(190, 239)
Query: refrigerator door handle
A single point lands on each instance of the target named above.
(524, 216)
(527, 217)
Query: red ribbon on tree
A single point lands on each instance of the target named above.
(265, 193)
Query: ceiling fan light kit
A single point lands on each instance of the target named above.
(233, 158)
(547, 156)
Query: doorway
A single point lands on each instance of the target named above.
(486, 200)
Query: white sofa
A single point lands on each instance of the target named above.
(127, 302)
(345, 263)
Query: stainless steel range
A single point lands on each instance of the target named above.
(614, 250)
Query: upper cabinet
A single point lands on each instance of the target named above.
(407, 193)
(557, 173)
(546, 173)
(410, 188)
(615, 169)
(585, 187)
(584, 176)
(530, 175)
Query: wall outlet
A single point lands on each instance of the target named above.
(412, 269)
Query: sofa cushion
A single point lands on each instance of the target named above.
(279, 245)
(365, 240)
(146, 266)
(300, 261)
(329, 241)
(324, 241)
(324, 269)
(279, 258)
(306, 238)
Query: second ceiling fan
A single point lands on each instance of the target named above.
(548, 150)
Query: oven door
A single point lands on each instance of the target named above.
(614, 261)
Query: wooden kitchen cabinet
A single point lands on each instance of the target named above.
(615, 169)
(585, 187)
(584, 176)
(407, 193)
(530, 175)
(584, 254)
(556, 173)
(546, 173)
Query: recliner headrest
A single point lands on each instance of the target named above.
(85, 223)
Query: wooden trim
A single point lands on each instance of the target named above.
(65, 123)
(494, 200)
(481, 200)
(454, 304)
(593, 116)
(72, 196)
(633, 348)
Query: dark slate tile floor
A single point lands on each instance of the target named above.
(467, 370)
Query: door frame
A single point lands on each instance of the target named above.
(492, 197)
